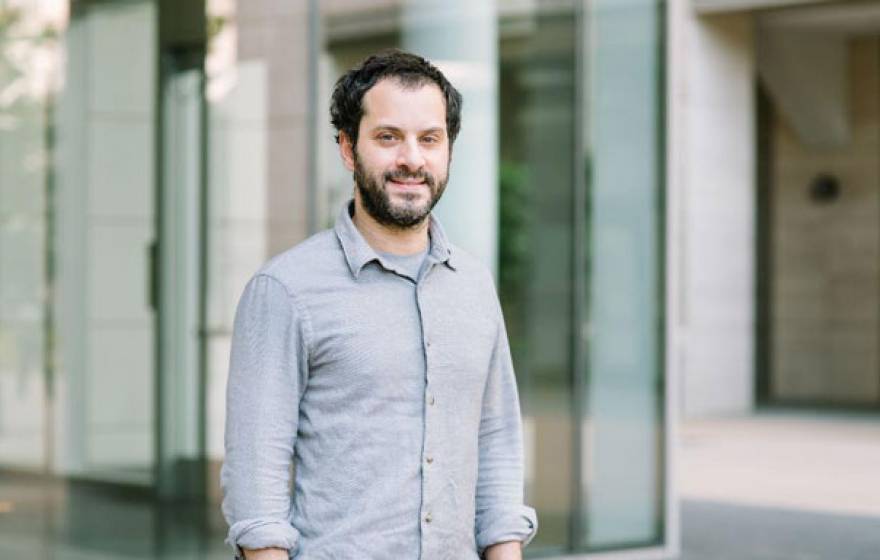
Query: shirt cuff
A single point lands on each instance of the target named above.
(504, 524)
(262, 533)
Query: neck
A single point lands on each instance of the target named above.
(397, 241)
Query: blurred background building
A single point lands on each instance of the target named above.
(680, 201)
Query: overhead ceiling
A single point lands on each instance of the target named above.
(839, 18)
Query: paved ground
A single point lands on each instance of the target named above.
(721, 531)
(781, 486)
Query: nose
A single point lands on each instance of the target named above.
(410, 155)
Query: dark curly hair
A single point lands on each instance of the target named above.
(347, 109)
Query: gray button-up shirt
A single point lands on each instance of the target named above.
(394, 397)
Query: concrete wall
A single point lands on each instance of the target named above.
(257, 166)
(825, 314)
(711, 210)
(708, 6)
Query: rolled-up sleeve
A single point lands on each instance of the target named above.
(267, 374)
(501, 515)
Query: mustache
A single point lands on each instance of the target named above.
(404, 175)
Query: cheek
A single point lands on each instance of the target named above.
(437, 159)
(439, 165)
(377, 162)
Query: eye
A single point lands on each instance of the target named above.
(430, 139)
(385, 137)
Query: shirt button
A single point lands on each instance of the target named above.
(428, 518)
(431, 400)
(430, 460)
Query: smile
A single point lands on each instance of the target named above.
(407, 183)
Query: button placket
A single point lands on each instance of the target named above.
(429, 456)
(426, 514)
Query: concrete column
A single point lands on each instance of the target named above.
(461, 38)
(712, 209)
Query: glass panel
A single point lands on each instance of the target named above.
(28, 65)
(105, 208)
(181, 418)
(624, 390)
(536, 247)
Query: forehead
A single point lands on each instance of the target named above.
(392, 103)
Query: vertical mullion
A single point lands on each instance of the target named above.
(664, 504)
(203, 255)
(580, 275)
(313, 222)
(49, 295)
(158, 258)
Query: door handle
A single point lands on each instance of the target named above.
(153, 275)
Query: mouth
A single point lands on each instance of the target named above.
(407, 183)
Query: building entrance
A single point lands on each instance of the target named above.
(819, 199)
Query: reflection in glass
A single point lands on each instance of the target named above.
(536, 248)
(29, 58)
(623, 439)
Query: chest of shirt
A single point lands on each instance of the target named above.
(382, 335)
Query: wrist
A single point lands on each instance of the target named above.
(511, 550)
(265, 554)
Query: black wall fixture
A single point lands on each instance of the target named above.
(824, 188)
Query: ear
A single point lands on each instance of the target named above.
(346, 151)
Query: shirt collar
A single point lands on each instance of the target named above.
(358, 252)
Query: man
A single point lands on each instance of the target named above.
(374, 356)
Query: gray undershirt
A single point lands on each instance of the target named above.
(407, 265)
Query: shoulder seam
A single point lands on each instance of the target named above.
(299, 306)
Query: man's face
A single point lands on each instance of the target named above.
(401, 161)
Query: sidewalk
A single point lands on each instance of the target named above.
(781, 485)
(773, 486)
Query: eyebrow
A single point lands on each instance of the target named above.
(432, 130)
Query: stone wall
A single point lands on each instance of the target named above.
(825, 256)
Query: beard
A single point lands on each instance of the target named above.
(377, 202)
